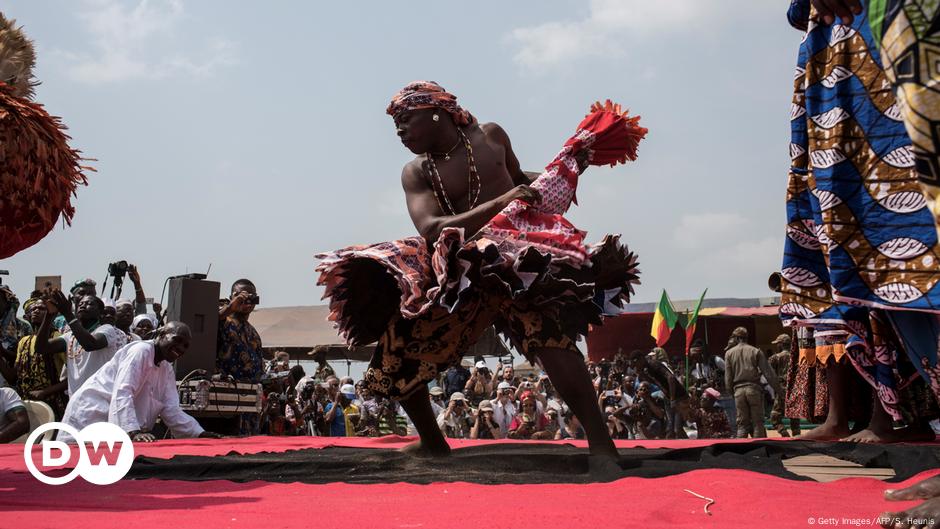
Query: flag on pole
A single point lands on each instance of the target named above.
(664, 320)
(690, 324)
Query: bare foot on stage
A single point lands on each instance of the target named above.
(926, 514)
(418, 449)
(911, 434)
(826, 432)
(926, 489)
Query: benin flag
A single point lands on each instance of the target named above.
(690, 325)
(663, 321)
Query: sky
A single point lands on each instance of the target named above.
(251, 136)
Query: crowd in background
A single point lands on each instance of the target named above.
(643, 394)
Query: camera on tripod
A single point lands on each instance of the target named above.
(118, 270)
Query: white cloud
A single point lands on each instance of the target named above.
(611, 23)
(139, 42)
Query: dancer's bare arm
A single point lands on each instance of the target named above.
(844, 9)
(431, 221)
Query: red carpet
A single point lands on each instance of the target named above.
(743, 499)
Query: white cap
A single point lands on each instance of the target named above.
(504, 385)
(481, 365)
(348, 390)
(455, 396)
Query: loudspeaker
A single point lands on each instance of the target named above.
(196, 303)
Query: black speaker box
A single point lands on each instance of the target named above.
(196, 303)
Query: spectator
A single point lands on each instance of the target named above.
(455, 421)
(108, 312)
(87, 344)
(81, 288)
(37, 376)
(571, 428)
(281, 416)
(14, 422)
(437, 400)
(312, 398)
(707, 370)
(392, 420)
(12, 330)
(504, 407)
(135, 387)
(710, 419)
(239, 345)
(280, 363)
(455, 379)
(780, 363)
(648, 413)
(484, 427)
(332, 387)
(124, 317)
(144, 325)
(676, 403)
(745, 365)
(324, 371)
(480, 384)
(616, 423)
(508, 374)
(341, 414)
(529, 423)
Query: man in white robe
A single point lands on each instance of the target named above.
(135, 387)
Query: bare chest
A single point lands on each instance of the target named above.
(455, 178)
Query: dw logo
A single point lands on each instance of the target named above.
(104, 451)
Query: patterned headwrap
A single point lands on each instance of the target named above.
(30, 302)
(428, 94)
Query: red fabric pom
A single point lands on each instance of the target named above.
(610, 133)
(39, 173)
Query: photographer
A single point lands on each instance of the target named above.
(504, 407)
(571, 427)
(275, 419)
(455, 421)
(530, 422)
(341, 414)
(239, 354)
(391, 419)
(312, 400)
(710, 419)
(648, 413)
(480, 385)
(654, 371)
(484, 427)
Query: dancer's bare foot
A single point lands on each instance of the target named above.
(926, 514)
(421, 449)
(922, 490)
(911, 434)
(827, 431)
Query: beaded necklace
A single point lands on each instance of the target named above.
(440, 194)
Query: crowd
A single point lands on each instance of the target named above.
(63, 342)
(643, 395)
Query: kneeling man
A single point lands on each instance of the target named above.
(135, 387)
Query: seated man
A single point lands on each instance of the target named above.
(135, 387)
(13, 419)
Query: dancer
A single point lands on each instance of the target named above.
(494, 249)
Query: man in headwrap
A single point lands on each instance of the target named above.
(11, 330)
(494, 250)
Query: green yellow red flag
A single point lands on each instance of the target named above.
(664, 320)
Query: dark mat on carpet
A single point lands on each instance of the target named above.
(497, 463)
